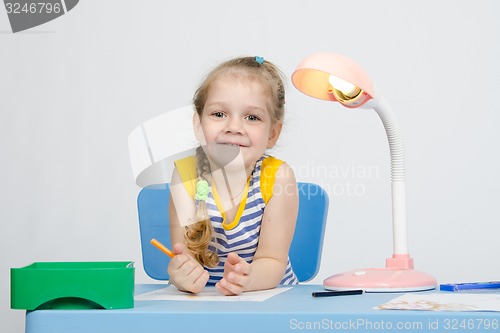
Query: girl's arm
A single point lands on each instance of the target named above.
(270, 260)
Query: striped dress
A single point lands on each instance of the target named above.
(242, 238)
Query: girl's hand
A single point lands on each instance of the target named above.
(185, 272)
(236, 275)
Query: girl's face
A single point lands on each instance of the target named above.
(236, 123)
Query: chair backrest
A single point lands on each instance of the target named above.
(305, 250)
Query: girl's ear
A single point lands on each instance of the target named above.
(274, 134)
(198, 130)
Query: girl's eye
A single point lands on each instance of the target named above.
(218, 114)
(252, 117)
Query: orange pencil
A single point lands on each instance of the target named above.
(163, 248)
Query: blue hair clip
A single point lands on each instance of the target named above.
(260, 60)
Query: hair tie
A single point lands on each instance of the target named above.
(260, 60)
(202, 190)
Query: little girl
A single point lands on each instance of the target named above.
(233, 217)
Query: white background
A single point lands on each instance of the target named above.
(73, 89)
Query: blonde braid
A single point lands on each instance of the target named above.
(198, 236)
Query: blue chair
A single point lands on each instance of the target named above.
(305, 250)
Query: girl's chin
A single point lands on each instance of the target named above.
(229, 158)
(223, 155)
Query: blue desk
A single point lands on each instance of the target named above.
(292, 311)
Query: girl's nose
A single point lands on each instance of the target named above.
(234, 126)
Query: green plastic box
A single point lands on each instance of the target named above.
(72, 285)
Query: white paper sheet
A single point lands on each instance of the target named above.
(210, 294)
(444, 302)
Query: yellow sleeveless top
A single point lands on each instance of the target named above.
(187, 171)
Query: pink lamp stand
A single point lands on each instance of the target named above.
(397, 276)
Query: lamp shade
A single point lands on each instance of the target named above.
(313, 77)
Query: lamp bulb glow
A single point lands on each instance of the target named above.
(345, 92)
(345, 87)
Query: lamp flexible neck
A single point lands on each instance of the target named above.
(396, 144)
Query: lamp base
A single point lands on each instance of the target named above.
(381, 280)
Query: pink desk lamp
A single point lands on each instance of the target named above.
(333, 77)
